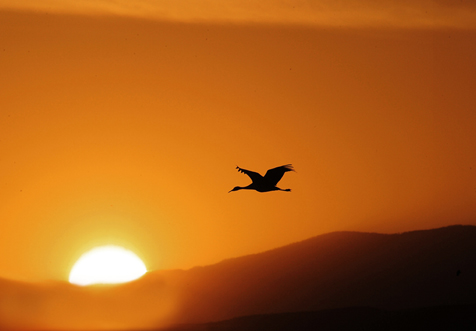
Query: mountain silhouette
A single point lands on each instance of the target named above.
(336, 270)
(414, 276)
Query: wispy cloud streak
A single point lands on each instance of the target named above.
(392, 13)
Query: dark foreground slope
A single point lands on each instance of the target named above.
(454, 318)
(337, 270)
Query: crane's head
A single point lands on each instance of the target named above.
(236, 188)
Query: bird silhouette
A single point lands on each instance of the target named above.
(266, 183)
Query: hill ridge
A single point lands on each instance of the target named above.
(333, 233)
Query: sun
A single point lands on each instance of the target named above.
(107, 265)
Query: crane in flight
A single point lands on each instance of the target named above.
(266, 183)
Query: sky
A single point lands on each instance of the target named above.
(122, 123)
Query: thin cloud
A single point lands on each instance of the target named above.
(354, 13)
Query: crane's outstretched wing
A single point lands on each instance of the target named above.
(273, 176)
(255, 177)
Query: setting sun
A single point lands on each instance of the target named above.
(107, 265)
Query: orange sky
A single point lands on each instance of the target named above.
(125, 130)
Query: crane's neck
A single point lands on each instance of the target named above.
(249, 187)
